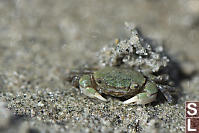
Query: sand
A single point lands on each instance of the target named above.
(42, 40)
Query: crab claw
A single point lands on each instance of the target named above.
(147, 96)
(92, 93)
(97, 95)
(131, 100)
(141, 98)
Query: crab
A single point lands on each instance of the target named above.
(136, 87)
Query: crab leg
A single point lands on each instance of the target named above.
(147, 96)
(165, 91)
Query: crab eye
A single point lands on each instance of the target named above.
(99, 81)
(135, 86)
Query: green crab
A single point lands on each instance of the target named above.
(132, 85)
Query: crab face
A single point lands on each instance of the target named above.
(119, 83)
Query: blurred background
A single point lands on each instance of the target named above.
(40, 40)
